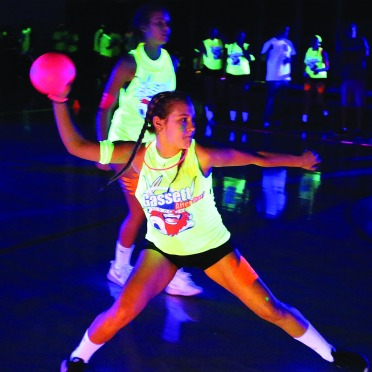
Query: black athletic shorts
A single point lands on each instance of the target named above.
(201, 260)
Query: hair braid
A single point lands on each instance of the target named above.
(160, 105)
(146, 126)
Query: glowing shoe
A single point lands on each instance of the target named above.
(182, 285)
(350, 361)
(119, 275)
(74, 365)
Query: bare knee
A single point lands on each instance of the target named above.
(120, 316)
(123, 317)
(108, 323)
(273, 311)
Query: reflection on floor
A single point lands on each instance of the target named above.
(308, 234)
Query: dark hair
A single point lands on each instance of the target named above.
(160, 105)
(142, 17)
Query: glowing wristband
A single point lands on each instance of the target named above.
(106, 101)
(57, 99)
(106, 148)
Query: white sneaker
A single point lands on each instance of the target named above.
(182, 285)
(119, 275)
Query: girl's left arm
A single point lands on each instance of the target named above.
(228, 157)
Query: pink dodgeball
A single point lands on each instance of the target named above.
(52, 72)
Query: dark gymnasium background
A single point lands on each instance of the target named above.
(191, 18)
(308, 234)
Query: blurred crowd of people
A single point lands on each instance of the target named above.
(18, 50)
(224, 68)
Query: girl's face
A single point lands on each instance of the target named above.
(177, 130)
(158, 28)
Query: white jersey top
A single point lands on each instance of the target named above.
(278, 50)
(182, 217)
(151, 77)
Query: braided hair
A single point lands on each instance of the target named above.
(160, 105)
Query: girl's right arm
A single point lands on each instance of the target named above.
(81, 147)
(122, 74)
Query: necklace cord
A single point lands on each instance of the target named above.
(182, 158)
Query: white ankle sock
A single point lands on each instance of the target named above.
(123, 255)
(314, 340)
(85, 349)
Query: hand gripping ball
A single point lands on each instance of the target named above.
(52, 72)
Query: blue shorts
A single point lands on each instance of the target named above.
(200, 260)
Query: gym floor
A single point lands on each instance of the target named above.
(307, 234)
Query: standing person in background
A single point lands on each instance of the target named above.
(211, 54)
(97, 37)
(316, 66)
(24, 40)
(353, 53)
(238, 72)
(65, 39)
(72, 43)
(96, 53)
(278, 53)
(9, 61)
(136, 77)
(116, 45)
(105, 57)
(60, 38)
(25, 59)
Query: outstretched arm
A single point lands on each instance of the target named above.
(213, 157)
(308, 160)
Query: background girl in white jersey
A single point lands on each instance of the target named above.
(137, 76)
